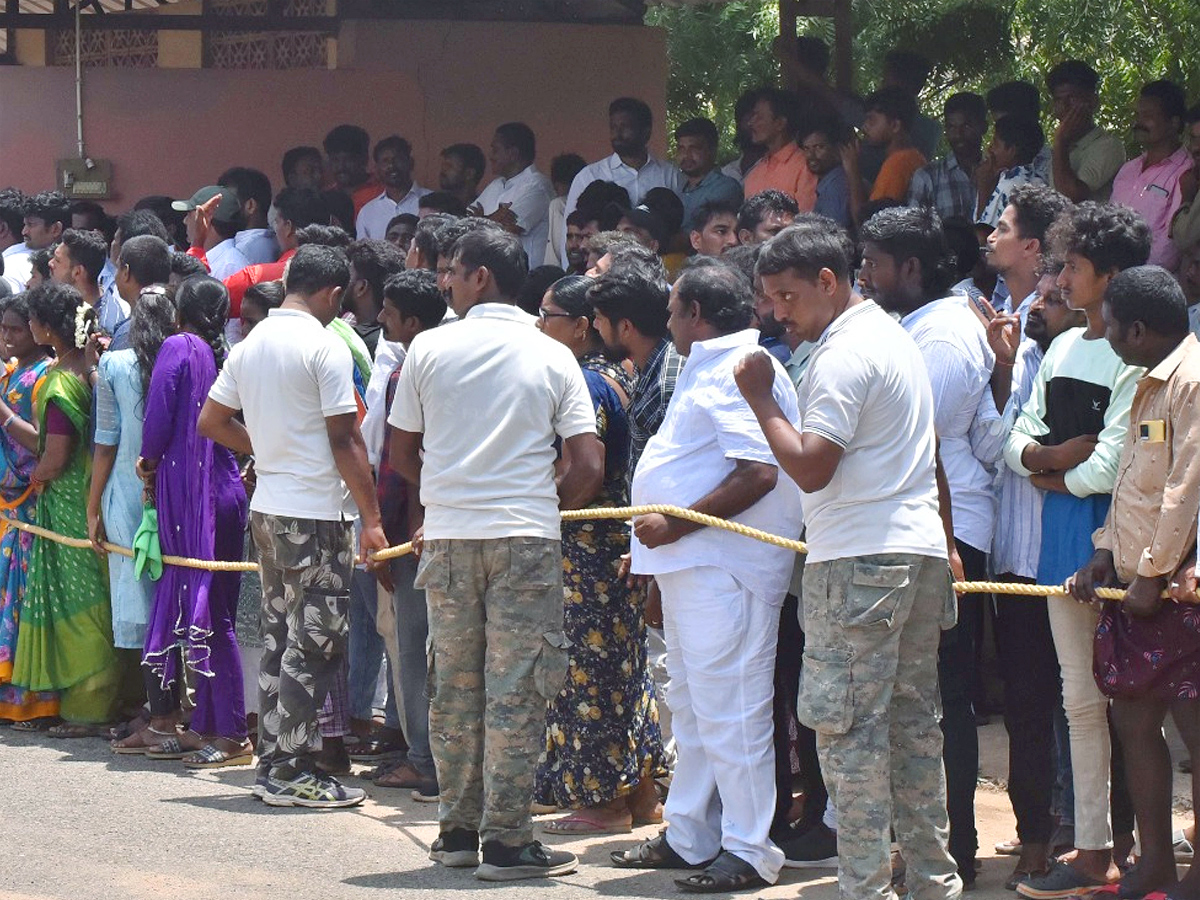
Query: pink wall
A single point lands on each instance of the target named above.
(169, 131)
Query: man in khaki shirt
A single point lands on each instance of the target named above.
(1147, 650)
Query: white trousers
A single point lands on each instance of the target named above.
(1073, 626)
(721, 659)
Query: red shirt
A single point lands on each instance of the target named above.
(238, 283)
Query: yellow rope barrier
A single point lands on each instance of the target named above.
(573, 515)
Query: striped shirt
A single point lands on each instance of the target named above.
(648, 402)
(1018, 534)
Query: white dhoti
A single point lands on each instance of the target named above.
(721, 643)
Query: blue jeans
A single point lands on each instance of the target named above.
(412, 635)
(366, 653)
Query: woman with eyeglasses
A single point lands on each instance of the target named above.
(603, 745)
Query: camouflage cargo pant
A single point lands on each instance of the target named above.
(306, 567)
(497, 654)
(869, 690)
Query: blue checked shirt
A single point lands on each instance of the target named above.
(648, 402)
(946, 187)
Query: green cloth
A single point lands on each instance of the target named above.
(65, 641)
(358, 349)
(147, 552)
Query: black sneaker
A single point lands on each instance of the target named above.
(457, 848)
(815, 848)
(534, 860)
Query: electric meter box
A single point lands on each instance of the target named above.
(85, 179)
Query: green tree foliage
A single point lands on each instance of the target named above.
(718, 51)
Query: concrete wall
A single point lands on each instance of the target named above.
(171, 130)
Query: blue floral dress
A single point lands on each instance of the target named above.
(602, 734)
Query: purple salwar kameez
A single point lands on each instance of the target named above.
(201, 513)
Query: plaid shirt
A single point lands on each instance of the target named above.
(946, 187)
(648, 402)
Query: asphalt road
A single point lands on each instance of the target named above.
(81, 823)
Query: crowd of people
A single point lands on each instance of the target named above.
(968, 367)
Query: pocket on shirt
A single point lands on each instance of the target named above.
(873, 595)
(826, 701)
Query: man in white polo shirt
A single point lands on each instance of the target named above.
(394, 165)
(721, 593)
(877, 585)
(292, 381)
(519, 197)
(477, 409)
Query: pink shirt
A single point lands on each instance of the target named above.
(785, 170)
(1153, 191)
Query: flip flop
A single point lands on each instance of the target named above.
(213, 757)
(71, 731)
(169, 749)
(581, 823)
(655, 853)
(35, 726)
(145, 742)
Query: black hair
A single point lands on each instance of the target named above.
(1037, 207)
(1170, 97)
(565, 167)
(447, 235)
(348, 139)
(292, 158)
(402, 219)
(470, 156)
(425, 237)
(699, 128)
(87, 249)
(393, 142)
(204, 307)
(828, 124)
(813, 54)
(706, 212)
(743, 257)
(50, 207)
(185, 266)
(341, 208)
(519, 137)
(745, 104)
(150, 259)
(93, 210)
(784, 105)
(39, 262)
(250, 184)
(908, 232)
(1014, 98)
(570, 294)
(1150, 295)
(724, 295)
(18, 305)
(443, 202)
(151, 321)
(171, 219)
(811, 243)
(909, 70)
(375, 261)
(1022, 133)
(324, 236)
(529, 298)
(595, 197)
(637, 109)
(1193, 115)
(55, 306)
(971, 105)
(1109, 236)
(415, 293)
(893, 102)
(315, 268)
(762, 204)
(1073, 72)
(634, 290)
(301, 206)
(665, 204)
(12, 209)
(499, 252)
(579, 218)
(266, 294)
(964, 244)
(139, 222)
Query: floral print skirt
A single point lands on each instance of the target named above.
(1157, 657)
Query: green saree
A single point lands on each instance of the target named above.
(65, 643)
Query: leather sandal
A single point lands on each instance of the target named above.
(726, 873)
(655, 853)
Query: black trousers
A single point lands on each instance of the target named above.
(957, 665)
(1029, 667)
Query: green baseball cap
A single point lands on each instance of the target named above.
(228, 210)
